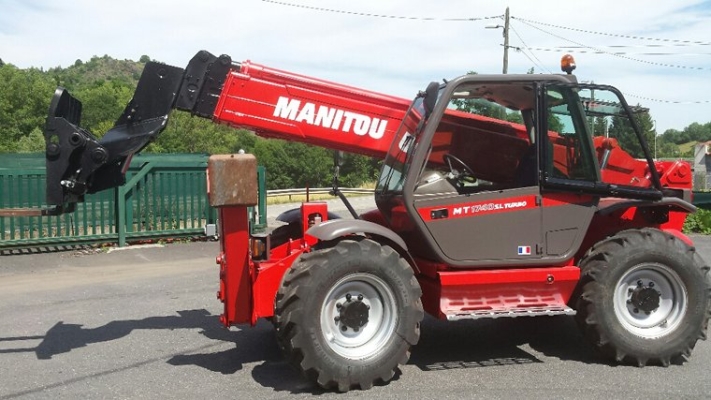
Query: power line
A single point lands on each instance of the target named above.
(667, 42)
(577, 49)
(362, 14)
(528, 48)
(519, 49)
(686, 42)
(631, 46)
(646, 98)
(614, 54)
(626, 94)
(667, 101)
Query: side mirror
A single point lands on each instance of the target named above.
(430, 100)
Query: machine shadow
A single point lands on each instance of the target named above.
(481, 343)
(63, 337)
(442, 346)
(251, 344)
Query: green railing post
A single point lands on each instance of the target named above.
(109, 216)
(128, 206)
(262, 196)
(121, 210)
(120, 214)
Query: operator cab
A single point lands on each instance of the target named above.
(486, 140)
(497, 170)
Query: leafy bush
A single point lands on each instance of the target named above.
(699, 222)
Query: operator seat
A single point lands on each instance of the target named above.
(527, 169)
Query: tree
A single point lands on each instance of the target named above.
(103, 103)
(32, 143)
(188, 134)
(621, 129)
(698, 132)
(554, 123)
(667, 150)
(357, 170)
(24, 100)
(600, 126)
(672, 136)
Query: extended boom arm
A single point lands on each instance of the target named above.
(270, 102)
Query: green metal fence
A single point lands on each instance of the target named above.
(164, 196)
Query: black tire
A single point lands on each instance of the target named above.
(312, 307)
(645, 297)
(284, 233)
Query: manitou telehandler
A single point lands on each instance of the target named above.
(499, 196)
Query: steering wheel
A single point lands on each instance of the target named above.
(462, 177)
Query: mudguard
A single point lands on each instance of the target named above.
(671, 202)
(294, 215)
(340, 227)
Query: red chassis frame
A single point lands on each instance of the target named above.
(327, 114)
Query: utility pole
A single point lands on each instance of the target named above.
(506, 41)
(655, 139)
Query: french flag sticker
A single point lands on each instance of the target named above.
(524, 250)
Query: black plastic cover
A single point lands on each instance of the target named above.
(202, 83)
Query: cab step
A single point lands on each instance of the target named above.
(494, 313)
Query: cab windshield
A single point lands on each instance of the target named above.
(396, 162)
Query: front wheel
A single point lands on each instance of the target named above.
(645, 297)
(346, 316)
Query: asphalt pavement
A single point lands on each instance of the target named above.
(142, 323)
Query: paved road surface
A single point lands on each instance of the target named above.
(141, 323)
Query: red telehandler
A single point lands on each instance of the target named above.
(499, 196)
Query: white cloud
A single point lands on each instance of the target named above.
(394, 56)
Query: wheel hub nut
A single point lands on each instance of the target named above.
(353, 313)
(645, 298)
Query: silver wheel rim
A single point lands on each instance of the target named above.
(673, 300)
(369, 338)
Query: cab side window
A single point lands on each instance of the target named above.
(482, 142)
(567, 145)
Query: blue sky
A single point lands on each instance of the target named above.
(390, 55)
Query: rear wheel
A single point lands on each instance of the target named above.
(645, 297)
(346, 316)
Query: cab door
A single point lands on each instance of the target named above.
(486, 227)
(569, 172)
(477, 198)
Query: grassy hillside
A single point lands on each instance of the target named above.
(98, 70)
(687, 148)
